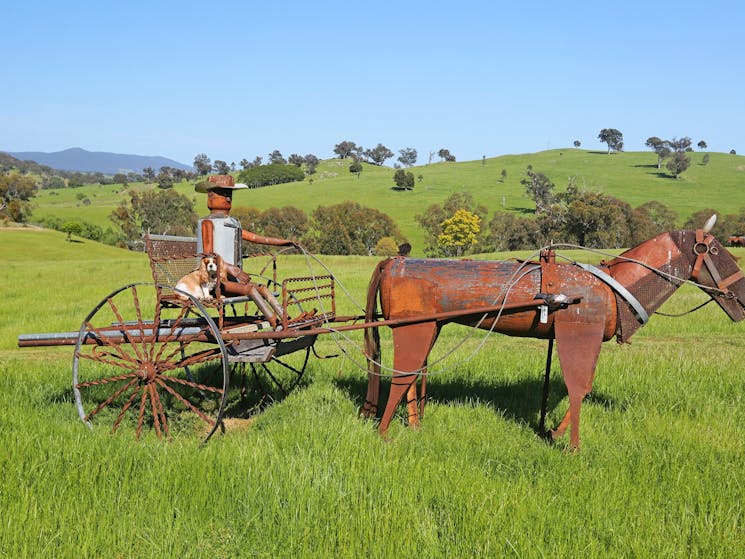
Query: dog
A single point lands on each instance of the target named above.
(201, 282)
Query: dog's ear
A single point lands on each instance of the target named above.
(203, 274)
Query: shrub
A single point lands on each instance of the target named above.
(264, 175)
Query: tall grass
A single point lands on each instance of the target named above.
(659, 475)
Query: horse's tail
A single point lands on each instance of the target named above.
(372, 344)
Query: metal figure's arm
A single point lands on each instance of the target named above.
(261, 240)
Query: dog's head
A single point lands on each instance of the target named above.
(210, 265)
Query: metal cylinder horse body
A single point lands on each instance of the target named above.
(584, 306)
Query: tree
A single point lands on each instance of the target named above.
(276, 158)
(349, 228)
(613, 138)
(156, 211)
(597, 220)
(432, 218)
(16, 192)
(702, 145)
(356, 168)
(705, 159)
(379, 154)
(732, 152)
(72, 228)
(508, 231)
(296, 160)
(503, 175)
(245, 164)
(577, 143)
(678, 163)
(287, 222)
(120, 178)
(660, 147)
(386, 246)
(699, 218)
(445, 155)
(407, 156)
(459, 231)
(264, 175)
(539, 188)
(202, 164)
(164, 179)
(404, 179)
(345, 149)
(682, 144)
(650, 219)
(221, 167)
(311, 163)
(149, 173)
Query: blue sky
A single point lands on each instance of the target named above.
(239, 79)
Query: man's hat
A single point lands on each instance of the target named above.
(218, 181)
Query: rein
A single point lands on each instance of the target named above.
(679, 315)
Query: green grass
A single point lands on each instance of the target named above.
(632, 177)
(659, 475)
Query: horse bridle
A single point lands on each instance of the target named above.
(703, 249)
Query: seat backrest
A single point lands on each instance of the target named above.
(171, 257)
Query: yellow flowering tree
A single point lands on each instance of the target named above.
(459, 232)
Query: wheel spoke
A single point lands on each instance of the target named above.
(110, 399)
(141, 417)
(203, 356)
(155, 409)
(98, 358)
(192, 384)
(172, 329)
(141, 324)
(103, 339)
(186, 402)
(125, 334)
(167, 372)
(124, 410)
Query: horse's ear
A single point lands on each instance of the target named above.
(709, 225)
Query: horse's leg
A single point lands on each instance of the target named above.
(411, 346)
(561, 427)
(578, 347)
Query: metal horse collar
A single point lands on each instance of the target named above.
(625, 294)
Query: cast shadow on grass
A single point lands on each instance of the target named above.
(519, 401)
(526, 211)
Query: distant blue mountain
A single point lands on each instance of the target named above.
(77, 159)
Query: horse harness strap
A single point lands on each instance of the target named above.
(625, 294)
(703, 249)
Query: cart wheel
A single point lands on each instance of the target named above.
(261, 384)
(142, 364)
(281, 375)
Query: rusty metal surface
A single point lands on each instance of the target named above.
(648, 273)
(542, 299)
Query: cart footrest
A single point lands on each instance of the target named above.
(252, 351)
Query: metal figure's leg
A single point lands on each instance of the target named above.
(579, 348)
(411, 346)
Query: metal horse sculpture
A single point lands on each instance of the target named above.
(576, 304)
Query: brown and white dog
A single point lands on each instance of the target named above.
(201, 282)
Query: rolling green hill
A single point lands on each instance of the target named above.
(632, 177)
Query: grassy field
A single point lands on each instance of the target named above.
(659, 475)
(632, 177)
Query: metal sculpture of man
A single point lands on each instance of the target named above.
(220, 233)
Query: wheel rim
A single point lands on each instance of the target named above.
(139, 364)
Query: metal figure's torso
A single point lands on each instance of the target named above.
(226, 238)
(421, 286)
